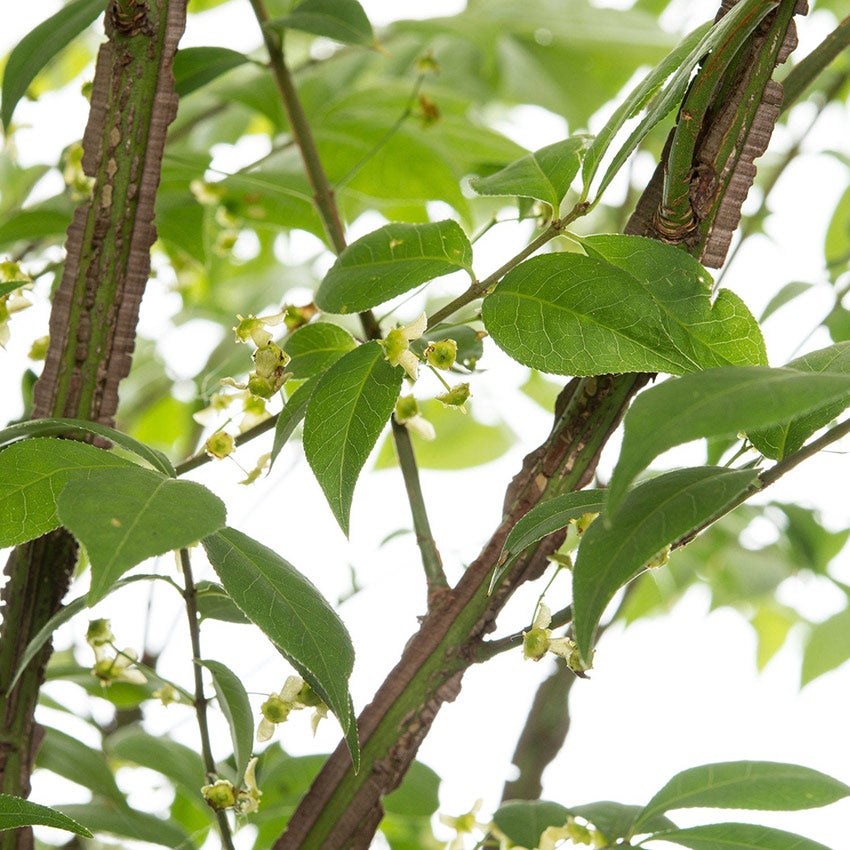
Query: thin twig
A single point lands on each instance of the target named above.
(431, 560)
(190, 597)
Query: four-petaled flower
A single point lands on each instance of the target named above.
(538, 640)
(396, 346)
(463, 825)
(294, 695)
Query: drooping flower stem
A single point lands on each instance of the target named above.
(200, 700)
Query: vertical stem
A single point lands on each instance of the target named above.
(431, 560)
(323, 195)
(190, 598)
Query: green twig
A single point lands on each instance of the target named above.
(323, 195)
(190, 597)
(770, 476)
(806, 71)
(482, 287)
(675, 215)
(431, 561)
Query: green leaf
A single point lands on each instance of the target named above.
(738, 836)
(314, 348)
(214, 603)
(179, 763)
(544, 175)
(418, 794)
(549, 516)
(461, 443)
(762, 785)
(73, 760)
(345, 417)
(194, 67)
(15, 812)
(103, 816)
(38, 47)
(233, 701)
(783, 440)
(634, 305)
(718, 333)
(837, 241)
(341, 20)
(34, 224)
(124, 516)
(771, 623)
(827, 646)
(80, 428)
(615, 820)
(712, 404)
(523, 822)
(785, 295)
(654, 514)
(5, 289)
(680, 63)
(681, 59)
(392, 260)
(33, 472)
(293, 615)
(290, 417)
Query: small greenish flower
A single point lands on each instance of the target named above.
(269, 373)
(277, 707)
(253, 412)
(220, 795)
(255, 327)
(407, 414)
(457, 397)
(220, 445)
(396, 346)
(538, 641)
(117, 669)
(463, 825)
(294, 695)
(442, 354)
(248, 798)
(167, 694)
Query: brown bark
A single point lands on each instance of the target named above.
(92, 329)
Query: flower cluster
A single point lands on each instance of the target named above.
(294, 695)
(440, 354)
(115, 666)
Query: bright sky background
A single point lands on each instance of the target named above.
(665, 695)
